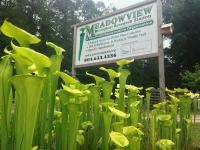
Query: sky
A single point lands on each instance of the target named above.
(119, 3)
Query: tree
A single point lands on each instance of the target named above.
(184, 52)
(192, 79)
(49, 20)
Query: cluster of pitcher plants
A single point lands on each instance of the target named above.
(43, 108)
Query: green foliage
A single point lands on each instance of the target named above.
(192, 79)
(184, 51)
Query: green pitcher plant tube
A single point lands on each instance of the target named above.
(6, 73)
(95, 94)
(194, 97)
(185, 110)
(107, 119)
(178, 142)
(107, 88)
(148, 100)
(71, 116)
(28, 92)
(133, 92)
(51, 84)
(124, 73)
(165, 125)
(134, 112)
(118, 126)
(153, 129)
(134, 135)
(174, 109)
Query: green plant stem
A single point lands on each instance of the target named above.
(52, 86)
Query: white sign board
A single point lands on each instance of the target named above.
(129, 34)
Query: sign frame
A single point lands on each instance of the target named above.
(159, 54)
(110, 15)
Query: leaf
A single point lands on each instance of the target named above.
(178, 130)
(67, 78)
(164, 117)
(21, 36)
(80, 139)
(119, 139)
(132, 131)
(117, 94)
(174, 99)
(179, 90)
(192, 95)
(34, 148)
(169, 91)
(112, 74)
(85, 86)
(82, 99)
(87, 124)
(98, 79)
(135, 104)
(106, 104)
(160, 105)
(117, 126)
(149, 89)
(123, 62)
(58, 50)
(165, 143)
(140, 96)
(118, 113)
(75, 92)
(124, 73)
(57, 114)
(133, 88)
(27, 56)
